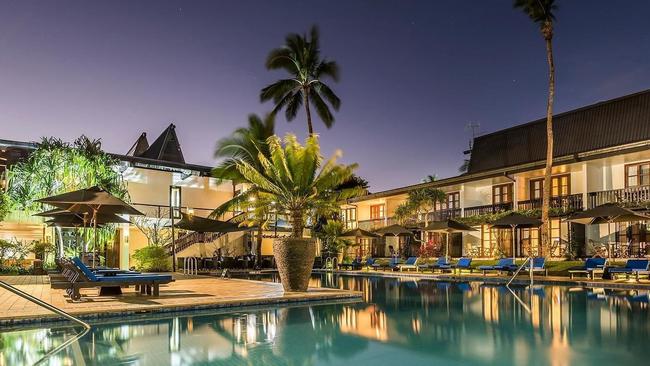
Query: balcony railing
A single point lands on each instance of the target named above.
(629, 197)
(372, 224)
(566, 204)
(444, 214)
(487, 209)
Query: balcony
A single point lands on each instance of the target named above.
(566, 204)
(444, 214)
(628, 197)
(372, 224)
(487, 209)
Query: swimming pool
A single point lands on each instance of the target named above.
(400, 322)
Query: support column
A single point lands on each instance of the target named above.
(124, 246)
(585, 186)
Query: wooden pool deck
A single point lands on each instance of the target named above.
(186, 293)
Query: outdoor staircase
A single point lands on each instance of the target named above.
(192, 238)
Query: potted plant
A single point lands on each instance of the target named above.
(302, 186)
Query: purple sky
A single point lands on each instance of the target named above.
(414, 73)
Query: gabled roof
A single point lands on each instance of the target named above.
(140, 146)
(166, 147)
(606, 124)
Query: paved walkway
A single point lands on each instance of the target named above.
(186, 293)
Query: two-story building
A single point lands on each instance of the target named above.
(150, 173)
(601, 155)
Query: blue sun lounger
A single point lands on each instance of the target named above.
(442, 261)
(463, 263)
(591, 267)
(632, 266)
(80, 276)
(504, 264)
(539, 265)
(411, 263)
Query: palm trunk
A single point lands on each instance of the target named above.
(308, 111)
(546, 199)
(297, 224)
(258, 248)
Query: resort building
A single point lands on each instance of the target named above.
(601, 155)
(152, 174)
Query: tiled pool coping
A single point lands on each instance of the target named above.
(520, 280)
(193, 294)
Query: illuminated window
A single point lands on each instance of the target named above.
(376, 212)
(502, 194)
(349, 217)
(560, 186)
(637, 175)
(453, 200)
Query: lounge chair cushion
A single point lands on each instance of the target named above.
(133, 278)
(86, 271)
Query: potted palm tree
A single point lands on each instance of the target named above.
(302, 186)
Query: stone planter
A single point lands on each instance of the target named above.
(295, 259)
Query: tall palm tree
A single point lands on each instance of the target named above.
(542, 13)
(300, 57)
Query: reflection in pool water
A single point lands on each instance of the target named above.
(400, 322)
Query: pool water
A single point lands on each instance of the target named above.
(400, 322)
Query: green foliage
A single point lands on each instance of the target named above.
(539, 11)
(330, 235)
(488, 218)
(420, 201)
(295, 178)
(300, 58)
(5, 206)
(152, 258)
(12, 254)
(57, 167)
(245, 143)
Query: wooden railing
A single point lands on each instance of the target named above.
(444, 214)
(568, 203)
(487, 209)
(192, 238)
(629, 197)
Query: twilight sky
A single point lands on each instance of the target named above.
(414, 73)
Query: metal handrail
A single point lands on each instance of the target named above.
(53, 309)
(528, 259)
(530, 270)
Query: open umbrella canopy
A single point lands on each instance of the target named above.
(74, 220)
(93, 199)
(516, 219)
(205, 225)
(448, 226)
(52, 212)
(603, 214)
(394, 230)
(359, 233)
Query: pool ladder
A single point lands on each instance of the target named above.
(53, 309)
(519, 300)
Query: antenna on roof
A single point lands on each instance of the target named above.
(475, 127)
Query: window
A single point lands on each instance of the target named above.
(502, 194)
(349, 218)
(376, 212)
(529, 242)
(453, 200)
(560, 186)
(637, 174)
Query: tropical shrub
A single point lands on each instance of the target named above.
(152, 258)
(330, 236)
(295, 179)
(57, 167)
(430, 250)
